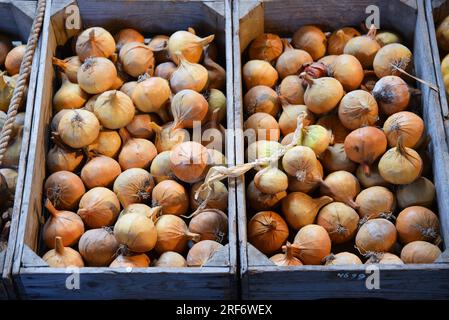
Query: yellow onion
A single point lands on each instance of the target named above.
(127, 35)
(392, 94)
(136, 58)
(322, 94)
(131, 261)
(262, 126)
(316, 138)
(188, 75)
(332, 122)
(69, 96)
(187, 107)
(387, 37)
(202, 252)
(7, 85)
(404, 124)
(420, 252)
(342, 258)
(173, 234)
(188, 161)
(400, 165)
(89, 105)
(165, 70)
(391, 56)
(216, 75)
(364, 48)
(133, 186)
(136, 231)
(159, 46)
(62, 257)
(108, 144)
(375, 202)
(210, 224)
(140, 127)
(310, 39)
(312, 244)
(213, 133)
(95, 42)
(418, 223)
(69, 66)
(262, 149)
(348, 71)
(338, 39)
(217, 101)
(365, 145)
(342, 186)
(327, 61)
(286, 258)
(136, 152)
(96, 75)
(218, 198)
(61, 158)
(291, 61)
(167, 137)
(171, 259)
(376, 235)
(78, 128)
(64, 189)
(261, 201)
(190, 45)
(271, 180)
(374, 178)
(114, 109)
(299, 209)
(128, 88)
(267, 231)
(288, 120)
(99, 207)
(160, 167)
(64, 224)
(267, 46)
(101, 171)
(339, 220)
(171, 196)
(98, 247)
(291, 88)
(261, 99)
(443, 35)
(384, 258)
(420, 192)
(357, 109)
(259, 72)
(14, 59)
(335, 159)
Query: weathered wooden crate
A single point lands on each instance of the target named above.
(436, 11)
(34, 279)
(261, 279)
(16, 18)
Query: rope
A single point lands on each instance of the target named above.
(25, 70)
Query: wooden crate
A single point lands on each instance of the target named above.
(436, 11)
(34, 279)
(261, 279)
(16, 18)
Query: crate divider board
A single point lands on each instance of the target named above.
(16, 19)
(261, 279)
(32, 276)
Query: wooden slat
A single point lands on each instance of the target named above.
(262, 281)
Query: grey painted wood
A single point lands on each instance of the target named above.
(16, 19)
(32, 278)
(261, 281)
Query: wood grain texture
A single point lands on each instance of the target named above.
(36, 281)
(430, 281)
(16, 19)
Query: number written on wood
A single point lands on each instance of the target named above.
(351, 276)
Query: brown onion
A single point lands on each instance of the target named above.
(266, 46)
(136, 231)
(375, 202)
(95, 42)
(140, 127)
(188, 161)
(286, 258)
(374, 179)
(108, 144)
(188, 107)
(99, 207)
(64, 189)
(151, 95)
(78, 128)
(101, 171)
(216, 73)
(376, 235)
(292, 89)
(317, 138)
(333, 123)
(171, 259)
(263, 126)
(5, 47)
(127, 35)
(387, 37)
(69, 96)
(418, 223)
(114, 109)
(69, 66)
(202, 252)
(136, 59)
(261, 99)
(61, 158)
(136, 152)
(267, 231)
(171, 196)
(322, 94)
(348, 71)
(342, 186)
(260, 201)
(342, 258)
(391, 56)
(98, 247)
(96, 75)
(310, 39)
(173, 234)
(131, 261)
(384, 258)
(420, 252)
(262, 149)
(217, 101)
(210, 224)
(190, 45)
(312, 244)
(420, 192)
(64, 224)
(299, 209)
(404, 124)
(365, 145)
(165, 70)
(167, 137)
(128, 88)
(160, 167)
(159, 46)
(392, 94)
(364, 48)
(218, 198)
(328, 60)
(62, 257)
(14, 59)
(133, 186)
(338, 39)
(357, 109)
(188, 75)
(288, 120)
(339, 220)
(271, 180)
(291, 60)
(259, 72)
(335, 159)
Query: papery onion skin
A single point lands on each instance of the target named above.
(136, 59)
(335, 159)
(218, 199)
(171, 259)
(343, 258)
(374, 202)
(291, 60)
(342, 186)
(364, 48)
(338, 39)
(136, 231)
(114, 109)
(132, 261)
(171, 196)
(404, 124)
(151, 95)
(98, 247)
(159, 46)
(165, 70)
(394, 54)
(202, 252)
(271, 180)
(173, 234)
(376, 235)
(259, 72)
(210, 224)
(288, 120)
(108, 143)
(127, 35)
(14, 59)
(96, 75)
(99, 207)
(261, 99)
(60, 159)
(339, 220)
(420, 192)
(160, 167)
(418, 223)
(190, 45)
(136, 152)
(133, 186)
(420, 252)
(358, 108)
(312, 244)
(292, 89)
(95, 42)
(69, 96)
(262, 201)
(267, 231)
(62, 257)
(264, 126)
(286, 259)
(348, 71)
(78, 128)
(101, 171)
(392, 94)
(384, 258)
(323, 94)
(267, 46)
(188, 161)
(139, 126)
(64, 189)
(333, 123)
(188, 107)
(374, 179)
(310, 39)
(188, 75)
